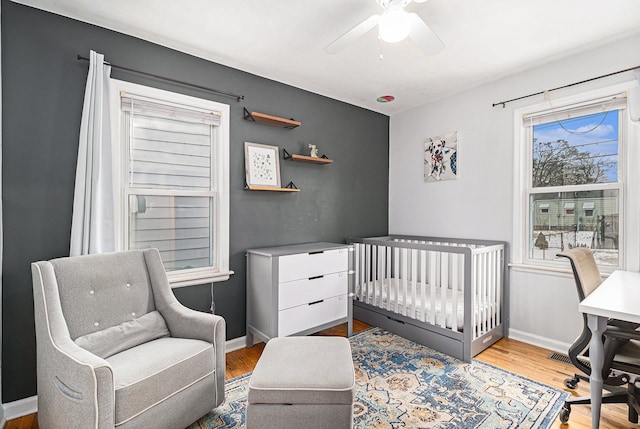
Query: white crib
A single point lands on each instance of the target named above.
(448, 294)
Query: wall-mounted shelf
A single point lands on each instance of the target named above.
(263, 118)
(289, 188)
(305, 158)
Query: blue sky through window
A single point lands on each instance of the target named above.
(595, 134)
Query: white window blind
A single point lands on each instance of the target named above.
(171, 182)
(590, 107)
(140, 105)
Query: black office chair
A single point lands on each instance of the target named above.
(621, 346)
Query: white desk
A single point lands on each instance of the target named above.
(618, 297)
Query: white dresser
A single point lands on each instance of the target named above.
(297, 290)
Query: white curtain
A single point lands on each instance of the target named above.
(92, 225)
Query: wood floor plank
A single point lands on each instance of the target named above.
(514, 356)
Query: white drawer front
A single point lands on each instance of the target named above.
(302, 317)
(305, 265)
(298, 292)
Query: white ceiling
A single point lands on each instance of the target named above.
(284, 39)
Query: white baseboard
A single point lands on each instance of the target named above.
(21, 407)
(236, 344)
(537, 340)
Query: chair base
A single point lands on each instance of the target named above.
(616, 395)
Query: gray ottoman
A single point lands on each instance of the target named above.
(302, 382)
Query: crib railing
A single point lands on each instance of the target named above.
(453, 284)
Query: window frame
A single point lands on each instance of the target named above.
(629, 155)
(219, 193)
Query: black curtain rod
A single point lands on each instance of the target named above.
(179, 82)
(562, 87)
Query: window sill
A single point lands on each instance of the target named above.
(177, 280)
(545, 269)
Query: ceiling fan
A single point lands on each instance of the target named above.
(394, 25)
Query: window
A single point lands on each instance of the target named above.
(588, 208)
(174, 180)
(572, 160)
(569, 208)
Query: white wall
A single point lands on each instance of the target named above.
(543, 305)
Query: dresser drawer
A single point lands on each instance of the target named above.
(298, 292)
(306, 265)
(303, 317)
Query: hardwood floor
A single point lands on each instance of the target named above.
(517, 357)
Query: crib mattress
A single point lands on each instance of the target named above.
(451, 304)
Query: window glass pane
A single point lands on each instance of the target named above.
(557, 229)
(576, 151)
(179, 227)
(168, 154)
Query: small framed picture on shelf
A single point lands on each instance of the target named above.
(262, 165)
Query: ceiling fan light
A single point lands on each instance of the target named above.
(394, 26)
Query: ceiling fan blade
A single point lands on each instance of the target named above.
(424, 37)
(352, 35)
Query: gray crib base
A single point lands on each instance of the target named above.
(453, 343)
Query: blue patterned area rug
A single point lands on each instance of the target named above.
(401, 384)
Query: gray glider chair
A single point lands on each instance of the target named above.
(621, 369)
(115, 349)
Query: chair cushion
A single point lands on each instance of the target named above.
(103, 290)
(116, 339)
(148, 374)
(304, 370)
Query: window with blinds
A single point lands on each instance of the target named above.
(175, 191)
(574, 191)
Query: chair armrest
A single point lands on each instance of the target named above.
(184, 322)
(79, 387)
(621, 333)
(74, 385)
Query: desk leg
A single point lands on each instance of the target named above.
(596, 356)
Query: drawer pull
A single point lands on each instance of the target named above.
(395, 320)
(316, 277)
(316, 253)
(316, 302)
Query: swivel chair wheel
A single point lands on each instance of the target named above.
(572, 383)
(564, 413)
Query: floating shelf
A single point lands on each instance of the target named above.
(304, 158)
(289, 188)
(263, 118)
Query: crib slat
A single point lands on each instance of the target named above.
(454, 290)
(474, 295)
(367, 273)
(405, 263)
(396, 278)
(358, 270)
(423, 286)
(483, 265)
(387, 251)
(498, 286)
(383, 285)
(414, 280)
(444, 285)
(432, 287)
(492, 290)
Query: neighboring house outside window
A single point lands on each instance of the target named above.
(173, 180)
(572, 170)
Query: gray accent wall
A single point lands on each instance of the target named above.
(43, 88)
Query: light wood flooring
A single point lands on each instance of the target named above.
(520, 358)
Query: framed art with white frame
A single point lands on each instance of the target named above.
(262, 165)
